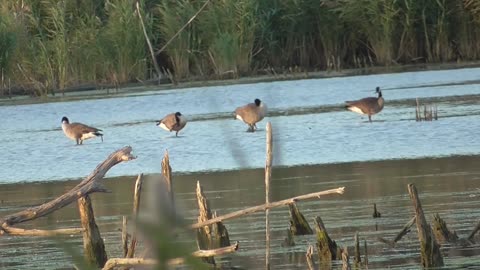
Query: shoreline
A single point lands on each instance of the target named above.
(82, 91)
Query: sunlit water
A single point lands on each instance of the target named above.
(310, 127)
(309, 122)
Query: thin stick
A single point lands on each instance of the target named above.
(309, 256)
(136, 206)
(183, 27)
(263, 207)
(152, 54)
(124, 237)
(216, 252)
(268, 176)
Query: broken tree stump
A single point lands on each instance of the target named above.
(327, 248)
(167, 174)
(298, 223)
(212, 236)
(288, 241)
(376, 214)
(430, 250)
(357, 260)
(93, 246)
(441, 232)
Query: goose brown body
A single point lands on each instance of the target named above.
(173, 122)
(368, 106)
(251, 113)
(79, 132)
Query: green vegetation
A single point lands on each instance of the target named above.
(47, 46)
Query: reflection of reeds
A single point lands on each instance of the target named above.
(430, 112)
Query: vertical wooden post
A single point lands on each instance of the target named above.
(136, 206)
(93, 245)
(268, 176)
(430, 250)
(357, 258)
(167, 174)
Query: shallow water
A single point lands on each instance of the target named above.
(448, 186)
(317, 145)
(307, 117)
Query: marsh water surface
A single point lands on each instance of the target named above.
(317, 145)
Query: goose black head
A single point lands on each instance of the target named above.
(377, 90)
(257, 102)
(65, 120)
(178, 114)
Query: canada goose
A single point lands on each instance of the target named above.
(251, 113)
(173, 122)
(79, 132)
(368, 106)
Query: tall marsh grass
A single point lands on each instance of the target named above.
(51, 45)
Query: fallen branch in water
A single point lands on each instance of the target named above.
(88, 185)
(22, 232)
(116, 262)
(263, 207)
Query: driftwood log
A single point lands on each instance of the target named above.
(430, 250)
(474, 231)
(131, 262)
(263, 207)
(88, 185)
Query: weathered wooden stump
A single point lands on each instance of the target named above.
(345, 259)
(327, 248)
(430, 250)
(298, 224)
(212, 236)
(357, 259)
(441, 232)
(94, 248)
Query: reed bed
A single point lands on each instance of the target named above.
(50, 45)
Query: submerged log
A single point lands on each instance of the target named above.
(88, 185)
(376, 214)
(298, 224)
(263, 207)
(327, 248)
(441, 232)
(310, 260)
(93, 246)
(404, 231)
(474, 231)
(430, 250)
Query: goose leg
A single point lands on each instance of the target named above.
(76, 140)
(369, 118)
(176, 134)
(250, 128)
